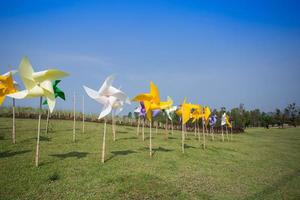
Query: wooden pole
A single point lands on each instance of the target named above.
(222, 133)
(74, 120)
(198, 130)
(138, 126)
(226, 133)
(195, 128)
(203, 132)
(143, 129)
(166, 130)
(172, 127)
(47, 122)
(231, 133)
(103, 143)
(113, 125)
(37, 152)
(182, 136)
(150, 141)
(83, 114)
(14, 122)
(156, 127)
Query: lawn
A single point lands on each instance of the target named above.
(258, 164)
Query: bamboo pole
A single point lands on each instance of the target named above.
(198, 130)
(14, 122)
(166, 129)
(203, 132)
(143, 129)
(222, 133)
(103, 143)
(37, 152)
(182, 136)
(83, 114)
(138, 126)
(172, 127)
(47, 122)
(113, 125)
(74, 120)
(226, 133)
(150, 141)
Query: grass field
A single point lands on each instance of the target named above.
(259, 164)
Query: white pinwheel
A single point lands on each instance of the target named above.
(112, 99)
(109, 96)
(171, 110)
(37, 84)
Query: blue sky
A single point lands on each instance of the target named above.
(216, 53)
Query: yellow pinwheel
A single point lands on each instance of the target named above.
(228, 122)
(185, 113)
(207, 113)
(197, 113)
(152, 102)
(7, 86)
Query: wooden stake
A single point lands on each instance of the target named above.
(138, 126)
(14, 122)
(83, 114)
(113, 125)
(143, 129)
(37, 151)
(226, 133)
(198, 130)
(74, 120)
(103, 143)
(172, 126)
(47, 122)
(203, 133)
(222, 133)
(182, 137)
(166, 130)
(150, 141)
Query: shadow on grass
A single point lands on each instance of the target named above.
(74, 154)
(129, 138)
(122, 131)
(189, 146)
(275, 187)
(120, 153)
(7, 154)
(44, 138)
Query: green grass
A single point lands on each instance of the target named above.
(260, 164)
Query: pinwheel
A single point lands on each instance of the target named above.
(196, 114)
(37, 84)
(112, 99)
(225, 122)
(57, 93)
(9, 86)
(184, 112)
(212, 123)
(141, 112)
(229, 125)
(206, 115)
(169, 112)
(152, 102)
